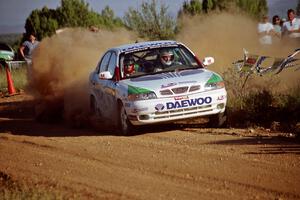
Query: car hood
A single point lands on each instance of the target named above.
(170, 81)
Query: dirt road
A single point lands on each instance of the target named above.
(162, 163)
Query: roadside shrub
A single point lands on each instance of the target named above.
(288, 107)
(253, 109)
(254, 102)
(258, 106)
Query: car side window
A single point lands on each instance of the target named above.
(104, 62)
(112, 63)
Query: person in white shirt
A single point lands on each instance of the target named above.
(291, 27)
(265, 31)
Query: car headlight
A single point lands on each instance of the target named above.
(215, 82)
(137, 93)
(142, 96)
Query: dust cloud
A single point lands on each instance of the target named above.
(224, 35)
(61, 68)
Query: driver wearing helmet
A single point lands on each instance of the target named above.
(166, 58)
(129, 66)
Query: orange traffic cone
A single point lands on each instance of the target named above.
(10, 84)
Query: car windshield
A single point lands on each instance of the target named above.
(159, 60)
(4, 47)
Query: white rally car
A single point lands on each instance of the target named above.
(154, 82)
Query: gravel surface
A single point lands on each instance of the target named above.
(169, 162)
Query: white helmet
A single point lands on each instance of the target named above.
(166, 57)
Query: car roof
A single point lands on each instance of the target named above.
(145, 45)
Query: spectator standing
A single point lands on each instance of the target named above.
(27, 48)
(291, 27)
(265, 31)
(277, 25)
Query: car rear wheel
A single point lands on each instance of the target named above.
(93, 107)
(125, 125)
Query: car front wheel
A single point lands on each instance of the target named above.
(125, 125)
(218, 120)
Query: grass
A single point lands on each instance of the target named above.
(28, 193)
(10, 189)
(257, 103)
(19, 77)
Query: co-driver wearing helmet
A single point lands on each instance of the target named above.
(129, 66)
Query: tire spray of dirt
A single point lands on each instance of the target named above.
(61, 68)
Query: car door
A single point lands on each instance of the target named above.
(98, 84)
(104, 89)
(109, 101)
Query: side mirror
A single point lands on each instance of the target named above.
(208, 61)
(106, 75)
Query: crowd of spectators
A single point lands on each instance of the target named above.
(279, 29)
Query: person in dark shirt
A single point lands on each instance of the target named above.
(27, 48)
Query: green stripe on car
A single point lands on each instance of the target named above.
(137, 90)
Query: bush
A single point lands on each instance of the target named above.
(256, 104)
(254, 8)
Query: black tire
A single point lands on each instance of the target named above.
(95, 112)
(93, 107)
(218, 120)
(125, 125)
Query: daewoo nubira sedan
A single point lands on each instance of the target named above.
(155, 82)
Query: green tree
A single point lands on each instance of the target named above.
(109, 19)
(41, 22)
(74, 13)
(196, 7)
(222, 4)
(255, 8)
(150, 21)
(192, 7)
(207, 5)
(71, 13)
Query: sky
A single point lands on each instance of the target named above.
(13, 13)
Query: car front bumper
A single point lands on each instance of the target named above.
(176, 108)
